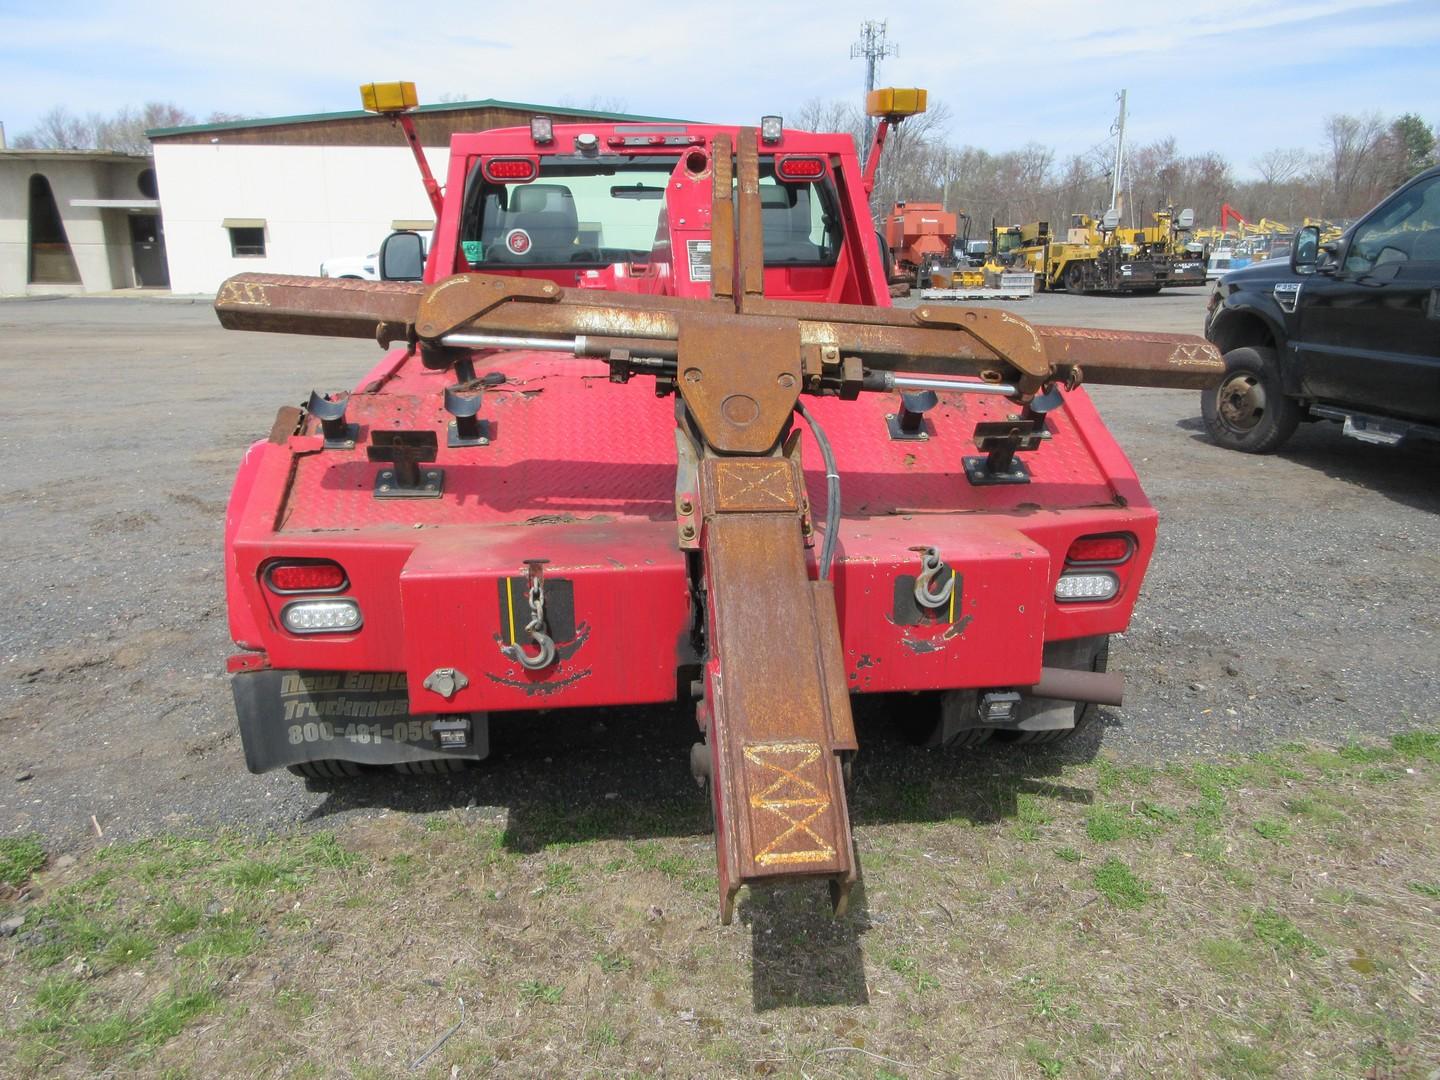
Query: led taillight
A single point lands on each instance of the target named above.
(1076, 587)
(800, 168)
(510, 169)
(1101, 550)
(318, 576)
(321, 616)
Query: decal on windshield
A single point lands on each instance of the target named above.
(518, 241)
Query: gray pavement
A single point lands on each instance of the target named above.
(1292, 596)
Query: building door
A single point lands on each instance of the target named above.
(147, 247)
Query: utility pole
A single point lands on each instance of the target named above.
(872, 48)
(1119, 132)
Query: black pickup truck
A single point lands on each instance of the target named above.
(1346, 331)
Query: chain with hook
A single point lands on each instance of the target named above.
(545, 646)
(930, 568)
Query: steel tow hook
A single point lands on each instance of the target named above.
(930, 568)
(545, 656)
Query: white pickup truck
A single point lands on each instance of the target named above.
(364, 267)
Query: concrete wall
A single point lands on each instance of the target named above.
(317, 202)
(99, 238)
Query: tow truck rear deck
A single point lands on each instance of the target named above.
(497, 518)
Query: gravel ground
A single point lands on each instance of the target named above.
(1292, 596)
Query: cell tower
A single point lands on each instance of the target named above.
(872, 48)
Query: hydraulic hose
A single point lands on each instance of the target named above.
(832, 492)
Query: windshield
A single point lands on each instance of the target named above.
(1006, 241)
(592, 213)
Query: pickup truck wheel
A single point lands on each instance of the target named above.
(1249, 410)
(325, 770)
(1074, 279)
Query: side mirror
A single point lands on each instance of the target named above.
(402, 257)
(1305, 251)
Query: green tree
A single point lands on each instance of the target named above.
(1412, 146)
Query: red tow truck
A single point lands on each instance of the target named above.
(647, 429)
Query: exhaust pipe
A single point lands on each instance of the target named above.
(1097, 687)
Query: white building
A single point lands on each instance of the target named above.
(282, 195)
(78, 221)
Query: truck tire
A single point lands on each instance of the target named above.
(325, 770)
(1249, 411)
(1074, 279)
(432, 766)
(1084, 713)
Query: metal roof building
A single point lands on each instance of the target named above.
(286, 193)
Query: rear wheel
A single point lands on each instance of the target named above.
(1249, 410)
(432, 766)
(1074, 278)
(1084, 712)
(325, 770)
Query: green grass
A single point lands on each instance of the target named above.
(594, 935)
(1108, 824)
(908, 968)
(1118, 884)
(20, 857)
(538, 992)
(1282, 935)
(1273, 829)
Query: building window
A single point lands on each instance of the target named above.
(247, 241)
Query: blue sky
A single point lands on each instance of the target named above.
(1237, 78)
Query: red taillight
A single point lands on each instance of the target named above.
(510, 169)
(305, 577)
(800, 168)
(1101, 549)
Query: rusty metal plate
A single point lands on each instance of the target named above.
(1010, 337)
(740, 378)
(332, 307)
(458, 299)
(751, 485)
(778, 779)
(750, 244)
(722, 221)
(1135, 358)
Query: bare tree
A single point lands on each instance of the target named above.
(1281, 164)
(123, 131)
(1350, 144)
(58, 129)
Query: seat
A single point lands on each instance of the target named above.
(785, 215)
(547, 213)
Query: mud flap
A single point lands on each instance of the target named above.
(776, 707)
(291, 717)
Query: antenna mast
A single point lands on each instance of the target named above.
(1119, 132)
(872, 48)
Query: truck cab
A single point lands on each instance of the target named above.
(1346, 330)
